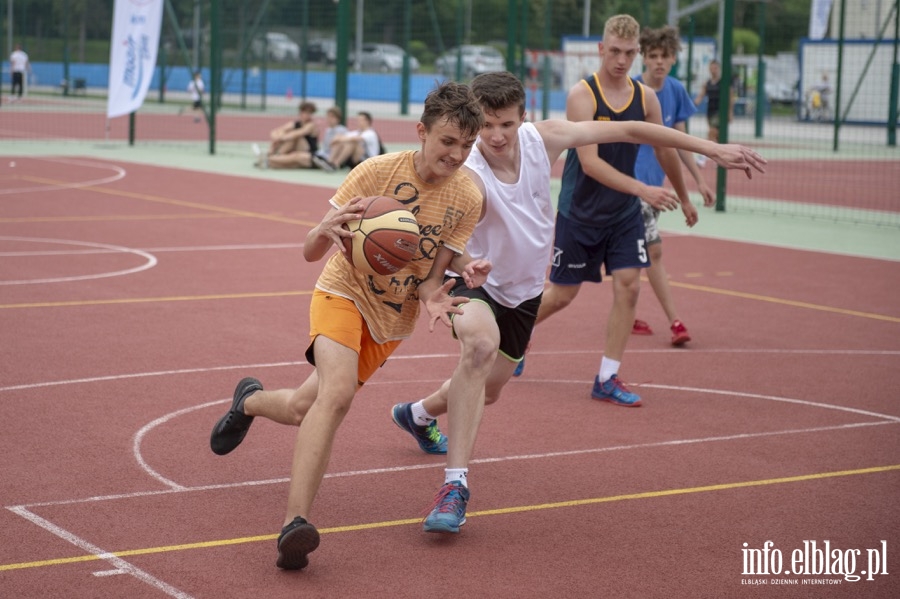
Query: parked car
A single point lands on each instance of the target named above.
(278, 46)
(324, 51)
(384, 58)
(475, 60)
(780, 92)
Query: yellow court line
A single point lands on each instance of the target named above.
(280, 219)
(174, 202)
(495, 512)
(145, 300)
(107, 218)
(786, 302)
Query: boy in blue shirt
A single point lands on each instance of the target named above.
(659, 48)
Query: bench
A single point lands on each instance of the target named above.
(79, 85)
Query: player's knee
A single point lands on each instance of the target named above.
(628, 290)
(479, 351)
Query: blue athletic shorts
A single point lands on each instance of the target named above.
(580, 250)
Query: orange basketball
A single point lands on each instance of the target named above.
(385, 239)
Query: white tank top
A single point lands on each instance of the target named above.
(516, 233)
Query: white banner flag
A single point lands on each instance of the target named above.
(818, 18)
(132, 53)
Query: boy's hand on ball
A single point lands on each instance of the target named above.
(336, 229)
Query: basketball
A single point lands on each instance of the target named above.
(385, 238)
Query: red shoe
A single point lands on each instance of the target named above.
(641, 328)
(680, 334)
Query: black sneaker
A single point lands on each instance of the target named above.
(297, 540)
(231, 428)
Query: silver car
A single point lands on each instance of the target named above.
(277, 45)
(385, 58)
(475, 61)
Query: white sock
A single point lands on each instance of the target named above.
(608, 368)
(420, 414)
(457, 474)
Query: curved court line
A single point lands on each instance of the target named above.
(172, 485)
(150, 471)
(139, 437)
(150, 263)
(120, 174)
(440, 465)
(775, 398)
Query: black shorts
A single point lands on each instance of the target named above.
(515, 324)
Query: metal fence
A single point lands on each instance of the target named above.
(823, 112)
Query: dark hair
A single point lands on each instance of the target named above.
(336, 112)
(455, 103)
(665, 39)
(308, 107)
(366, 115)
(499, 90)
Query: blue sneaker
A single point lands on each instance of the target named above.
(430, 437)
(449, 511)
(613, 390)
(520, 368)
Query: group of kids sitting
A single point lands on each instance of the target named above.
(296, 143)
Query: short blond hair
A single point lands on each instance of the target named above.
(623, 26)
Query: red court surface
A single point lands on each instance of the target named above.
(133, 298)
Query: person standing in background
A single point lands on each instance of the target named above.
(195, 89)
(18, 66)
(660, 47)
(712, 91)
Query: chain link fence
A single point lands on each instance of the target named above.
(822, 111)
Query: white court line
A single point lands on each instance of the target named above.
(139, 436)
(117, 562)
(150, 261)
(124, 567)
(119, 174)
(199, 248)
(435, 465)
(174, 486)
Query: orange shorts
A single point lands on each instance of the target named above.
(339, 319)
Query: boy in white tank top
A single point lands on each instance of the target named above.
(510, 164)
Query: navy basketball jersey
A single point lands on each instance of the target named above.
(584, 199)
